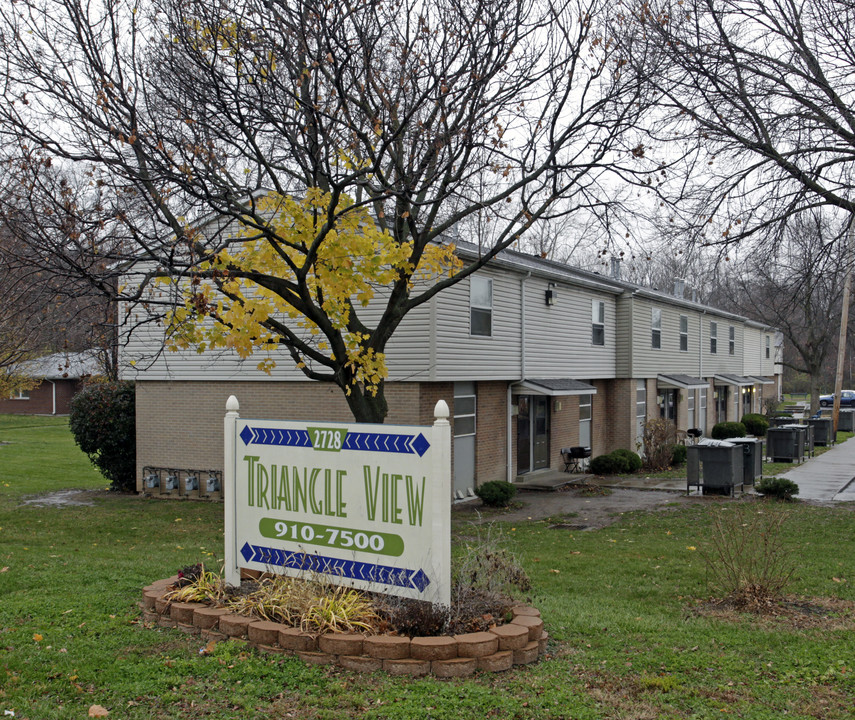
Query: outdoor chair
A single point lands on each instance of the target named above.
(573, 457)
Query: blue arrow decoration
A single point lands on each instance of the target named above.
(375, 442)
(353, 569)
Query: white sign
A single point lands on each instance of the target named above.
(361, 505)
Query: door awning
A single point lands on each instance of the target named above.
(682, 382)
(553, 387)
(737, 380)
(760, 380)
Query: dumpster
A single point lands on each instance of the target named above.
(785, 444)
(781, 421)
(823, 432)
(846, 421)
(752, 458)
(715, 467)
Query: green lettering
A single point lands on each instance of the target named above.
(262, 485)
(317, 508)
(371, 488)
(250, 488)
(415, 501)
(340, 503)
(396, 510)
(284, 498)
(299, 494)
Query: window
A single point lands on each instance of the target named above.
(713, 338)
(768, 346)
(464, 415)
(481, 306)
(656, 328)
(702, 409)
(598, 322)
(667, 401)
(585, 421)
(640, 410)
(690, 407)
(731, 340)
(684, 333)
(20, 395)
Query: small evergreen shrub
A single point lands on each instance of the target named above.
(777, 487)
(102, 421)
(632, 460)
(678, 455)
(755, 423)
(496, 493)
(725, 430)
(607, 465)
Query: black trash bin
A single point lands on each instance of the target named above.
(823, 431)
(715, 467)
(785, 444)
(846, 421)
(752, 458)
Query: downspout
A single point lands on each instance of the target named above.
(53, 395)
(509, 403)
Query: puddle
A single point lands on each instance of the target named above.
(62, 498)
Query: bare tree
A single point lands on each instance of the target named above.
(798, 290)
(134, 122)
(757, 102)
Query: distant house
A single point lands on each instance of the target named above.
(61, 375)
(531, 356)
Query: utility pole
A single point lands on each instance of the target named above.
(844, 324)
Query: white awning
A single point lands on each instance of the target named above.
(553, 387)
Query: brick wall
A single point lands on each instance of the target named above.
(180, 424)
(41, 399)
(620, 396)
(491, 435)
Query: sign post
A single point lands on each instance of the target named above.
(362, 505)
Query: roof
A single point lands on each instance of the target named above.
(684, 382)
(554, 387)
(63, 366)
(738, 380)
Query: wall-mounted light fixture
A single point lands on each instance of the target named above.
(550, 293)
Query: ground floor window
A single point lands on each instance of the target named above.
(702, 410)
(640, 411)
(690, 408)
(585, 415)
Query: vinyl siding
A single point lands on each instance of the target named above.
(559, 337)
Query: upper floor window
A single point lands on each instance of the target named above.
(731, 341)
(713, 338)
(480, 306)
(656, 328)
(598, 322)
(768, 346)
(684, 333)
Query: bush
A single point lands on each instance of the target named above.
(725, 430)
(607, 465)
(776, 487)
(103, 424)
(755, 423)
(496, 493)
(659, 437)
(632, 460)
(678, 455)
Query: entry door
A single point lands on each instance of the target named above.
(532, 433)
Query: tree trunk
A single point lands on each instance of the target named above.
(367, 408)
(815, 379)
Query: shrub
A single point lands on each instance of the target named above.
(755, 423)
(659, 436)
(748, 564)
(678, 454)
(632, 460)
(607, 465)
(496, 493)
(779, 488)
(725, 430)
(103, 424)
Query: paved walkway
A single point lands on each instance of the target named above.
(827, 477)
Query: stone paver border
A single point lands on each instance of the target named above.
(522, 641)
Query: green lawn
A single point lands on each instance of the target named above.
(619, 603)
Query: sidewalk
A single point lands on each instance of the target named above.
(828, 477)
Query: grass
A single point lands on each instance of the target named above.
(619, 604)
